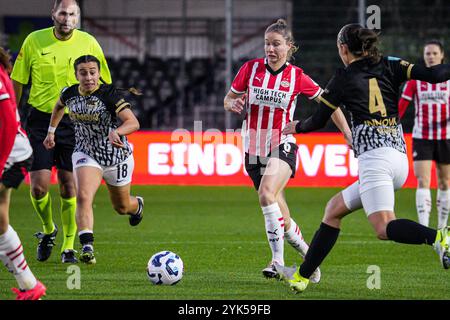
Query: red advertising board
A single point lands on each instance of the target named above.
(215, 158)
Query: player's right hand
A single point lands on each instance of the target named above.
(49, 141)
(238, 104)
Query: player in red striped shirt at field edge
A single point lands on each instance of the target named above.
(267, 88)
(431, 136)
(15, 158)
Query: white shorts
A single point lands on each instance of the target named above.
(116, 175)
(381, 172)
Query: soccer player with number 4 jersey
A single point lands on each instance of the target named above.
(101, 149)
(268, 89)
(368, 88)
(431, 136)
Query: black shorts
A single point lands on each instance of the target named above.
(255, 166)
(13, 175)
(61, 155)
(436, 150)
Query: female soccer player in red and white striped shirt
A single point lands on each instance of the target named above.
(11, 250)
(267, 88)
(431, 136)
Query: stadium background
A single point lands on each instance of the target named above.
(218, 231)
(182, 54)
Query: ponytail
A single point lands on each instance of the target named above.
(360, 41)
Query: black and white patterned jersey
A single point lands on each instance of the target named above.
(94, 116)
(369, 92)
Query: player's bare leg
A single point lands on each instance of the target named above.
(126, 204)
(87, 181)
(422, 171)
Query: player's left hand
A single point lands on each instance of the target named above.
(115, 140)
(290, 127)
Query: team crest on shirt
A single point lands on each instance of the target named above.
(91, 104)
(285, 84)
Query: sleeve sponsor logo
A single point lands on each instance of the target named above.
(20, 55)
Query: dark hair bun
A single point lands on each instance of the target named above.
(281, 22)
(368, 38)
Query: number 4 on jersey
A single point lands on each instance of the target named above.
(376, 103)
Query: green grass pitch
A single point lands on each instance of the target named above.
(219, 234)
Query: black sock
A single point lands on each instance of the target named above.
(321, 244)
(87, 239)
(410, 232)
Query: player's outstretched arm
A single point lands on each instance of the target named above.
(435, 74)
(317, 121)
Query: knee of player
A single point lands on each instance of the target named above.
(84, 198)
(332, 209)
(68, 190)
(423, 182)
(121, 208)
(443, 184)
(266, 195)
(3, 226)
(39, 191)
(381, 233)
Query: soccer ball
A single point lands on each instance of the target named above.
(165, 268)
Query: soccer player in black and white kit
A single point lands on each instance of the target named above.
(368, 87)
(101, 147)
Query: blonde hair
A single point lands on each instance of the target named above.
(282, 28)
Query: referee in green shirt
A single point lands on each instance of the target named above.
(47, 56)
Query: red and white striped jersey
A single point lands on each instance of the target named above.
(271, 102)
(22, 148)
(432, 114)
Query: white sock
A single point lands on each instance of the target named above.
(11, 254)
(274, 223)
(294, 237)
(443, 207)
(423, 205)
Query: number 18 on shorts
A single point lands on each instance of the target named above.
(116, 175)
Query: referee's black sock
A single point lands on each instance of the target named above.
(410, 232)
(321, 244)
